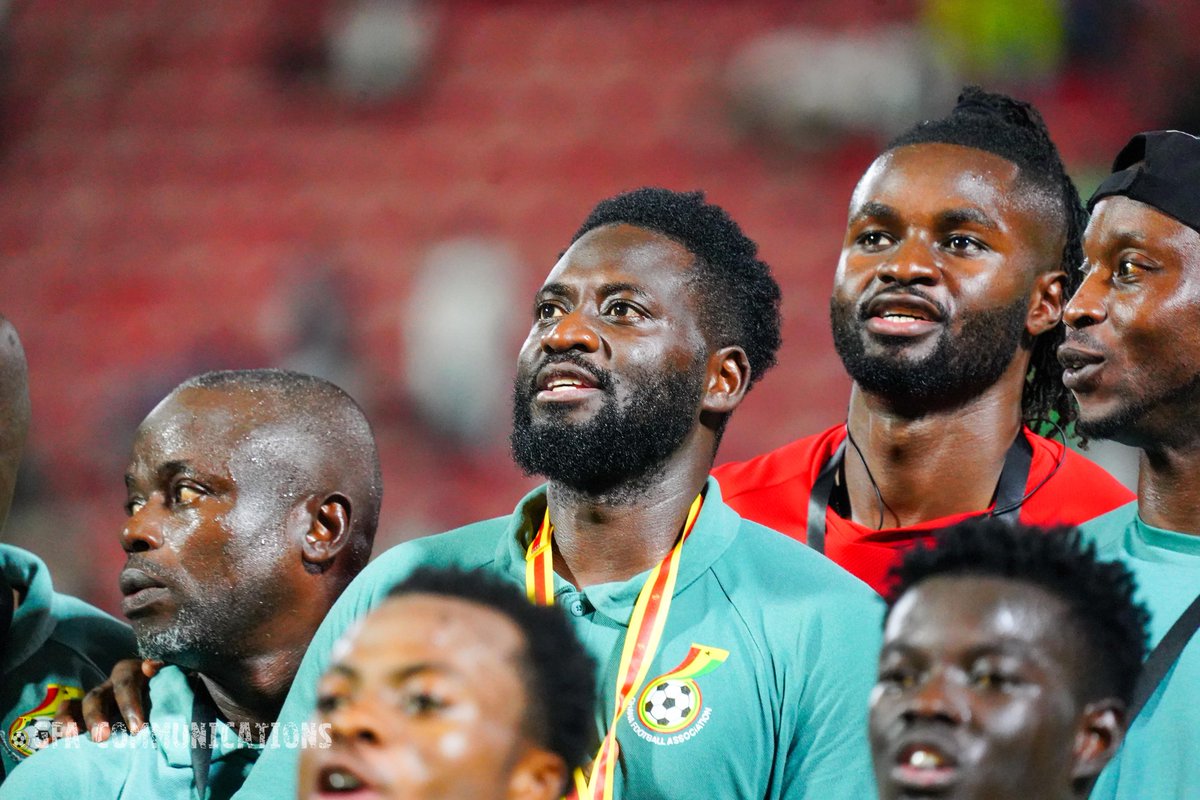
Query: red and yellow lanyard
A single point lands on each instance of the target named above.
(641, 640)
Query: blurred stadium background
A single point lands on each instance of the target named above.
(371, 189)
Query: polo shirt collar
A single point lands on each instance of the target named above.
(711, 536)
(171, 700)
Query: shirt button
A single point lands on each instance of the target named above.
(577, 608)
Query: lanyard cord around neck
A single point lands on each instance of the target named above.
(641, 639)
(1010, 489)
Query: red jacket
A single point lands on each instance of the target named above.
(773, 490)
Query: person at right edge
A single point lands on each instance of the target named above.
(962, 243)
(1132, 360)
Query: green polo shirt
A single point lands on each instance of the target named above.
(1161, 753)
(782, 716)
(156, 763)
(58, 647)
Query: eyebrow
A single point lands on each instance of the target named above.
(173, 467)
(955, 217)
(951, 218)
(399, 675)
(1005, 645)
(607, 289)
(875, 210)
(165, 469)
(555, 290)
(623, 286)
(1132, 238)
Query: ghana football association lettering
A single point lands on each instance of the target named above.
(31, 730)
(670, 709)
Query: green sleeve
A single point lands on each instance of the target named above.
(824, 730)
(67, 770)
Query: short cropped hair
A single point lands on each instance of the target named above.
(332, 418)
(1099, 594)
(1015, 131)
(558, 674)
(739, 298)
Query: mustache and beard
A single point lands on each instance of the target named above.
(958, 368)
(210, 623)
(620, 449)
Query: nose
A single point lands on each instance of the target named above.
(572, 331)
(1086, 307)
(141, 532)
(354, 721)
(909, 264)
(936, 698)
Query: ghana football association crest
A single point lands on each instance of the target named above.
(670, 708)
(30, 731)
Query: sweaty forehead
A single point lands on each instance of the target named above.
(203, 425)
(622, 252)
(929, 175)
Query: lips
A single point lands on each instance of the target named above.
(901, 314)
(345, 781)
(141, 590)
(565, 382)
(1081, 364)
(925, 765)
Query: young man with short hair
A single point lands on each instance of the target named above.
(455, 686)
(1009, 659)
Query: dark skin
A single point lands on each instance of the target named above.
(954, 223)
(427, 700)
(982, 694)
(619, 297)
(1134, 344)
(207, 521)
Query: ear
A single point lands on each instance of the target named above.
(1099, 734)
(726, 380)
(328, 530)
(1047, 299)
(538, 775)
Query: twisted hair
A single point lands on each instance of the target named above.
(1015, 131)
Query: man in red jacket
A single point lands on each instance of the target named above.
(963, 241)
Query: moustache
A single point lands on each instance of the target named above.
(864, 305)
(602, 377)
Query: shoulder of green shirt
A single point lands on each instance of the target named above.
(1107, 529)
(101, 638)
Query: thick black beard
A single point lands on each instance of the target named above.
(621, 450)
(958, 369)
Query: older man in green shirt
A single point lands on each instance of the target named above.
(253, 498)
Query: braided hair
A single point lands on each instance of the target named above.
(1015, 131)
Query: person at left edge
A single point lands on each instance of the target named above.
(253, 497)
(645, 337)
(52, 647)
